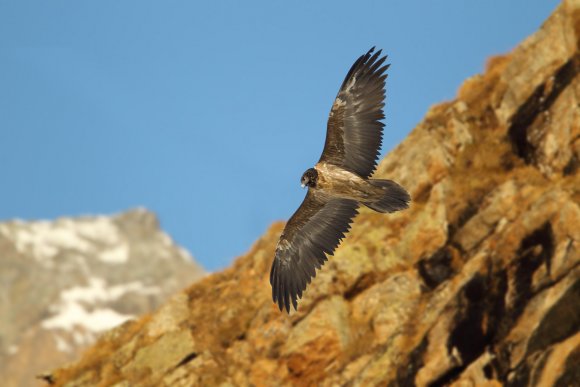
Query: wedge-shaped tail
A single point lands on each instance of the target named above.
(395, 197)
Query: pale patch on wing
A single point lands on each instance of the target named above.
(350, 84)
(338, 102)
(283, 244)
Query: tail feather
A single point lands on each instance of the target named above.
(395, 197)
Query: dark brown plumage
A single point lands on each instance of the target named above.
(338, 183)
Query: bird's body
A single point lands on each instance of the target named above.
(336, 181)
(339, 183)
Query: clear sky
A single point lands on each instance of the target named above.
(208, 112)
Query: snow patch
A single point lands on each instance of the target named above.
(74, 315)
(184, 254)
(115, 255)
(166, 239)
(43, 239)
(62, 345)
(85, 306)
(100, 228)
(83, 338)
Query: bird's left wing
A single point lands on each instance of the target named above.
(354, 131)
(315, 229)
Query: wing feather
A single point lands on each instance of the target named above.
(315, 229)
(354, 130)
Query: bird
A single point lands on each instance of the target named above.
(339, 183)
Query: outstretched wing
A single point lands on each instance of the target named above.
(354, 131)
(315, 229)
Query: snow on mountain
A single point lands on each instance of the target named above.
(78, 306)
(64, 282)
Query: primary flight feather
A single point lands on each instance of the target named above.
(339, 182)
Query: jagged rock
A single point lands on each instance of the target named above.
(65, 282)
(478, 283)
(324, 331)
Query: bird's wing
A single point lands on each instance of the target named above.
(316, 228)
(354, 131)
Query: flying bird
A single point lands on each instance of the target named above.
(339, 183)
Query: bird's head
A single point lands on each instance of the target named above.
(309, 178)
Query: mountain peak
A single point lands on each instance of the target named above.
(67, 281)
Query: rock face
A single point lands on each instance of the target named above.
(477, 284)
(65, 282)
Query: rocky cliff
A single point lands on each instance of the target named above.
(65, 282)
(478, 283)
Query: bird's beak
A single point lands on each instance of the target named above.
(303, 185)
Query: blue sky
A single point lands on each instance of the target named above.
(208, 112)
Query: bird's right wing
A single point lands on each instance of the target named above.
(315, 229)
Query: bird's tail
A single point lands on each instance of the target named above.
(394, 197)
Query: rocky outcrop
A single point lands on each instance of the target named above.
(65, 282)
(477, 284)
